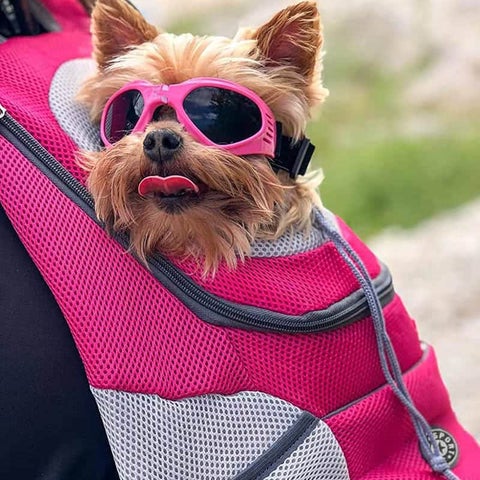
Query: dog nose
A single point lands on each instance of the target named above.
(160, 145)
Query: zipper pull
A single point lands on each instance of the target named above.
(3, 111)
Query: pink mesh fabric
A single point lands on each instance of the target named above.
(292, 284)
(132, 334)
(321, 372)
(34, 60)
(377, 436)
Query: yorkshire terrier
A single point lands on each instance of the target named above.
(205, 136)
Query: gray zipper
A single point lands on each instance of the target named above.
(205, 305)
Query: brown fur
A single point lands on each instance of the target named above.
(242, 199)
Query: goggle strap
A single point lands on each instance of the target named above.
(290, 156)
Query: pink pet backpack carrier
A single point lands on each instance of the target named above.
(300, 364)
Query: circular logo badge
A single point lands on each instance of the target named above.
(446, 444)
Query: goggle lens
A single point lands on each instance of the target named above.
(223, 116)
(122, 115)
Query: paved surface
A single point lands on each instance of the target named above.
(436, 270)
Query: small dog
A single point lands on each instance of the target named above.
(191, 126)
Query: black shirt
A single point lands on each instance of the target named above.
(50, 428)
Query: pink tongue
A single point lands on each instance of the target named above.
(167, 185)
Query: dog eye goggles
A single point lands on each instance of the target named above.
(215, 112)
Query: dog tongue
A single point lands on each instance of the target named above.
(167, 185)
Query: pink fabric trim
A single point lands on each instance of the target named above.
(28, 66)
(377, 436)
(292, 284)
(69, 14)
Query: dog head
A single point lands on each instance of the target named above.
(179, 176)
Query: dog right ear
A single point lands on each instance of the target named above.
(117, 26)
(292, 37)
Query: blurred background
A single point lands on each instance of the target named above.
(398, 140)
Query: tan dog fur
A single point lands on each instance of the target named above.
(242, 199)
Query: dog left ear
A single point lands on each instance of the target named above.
(117, 26)
(292, 37)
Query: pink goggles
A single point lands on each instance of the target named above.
(215, 112)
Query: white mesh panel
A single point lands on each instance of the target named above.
(212, 437)
(319, 456)
(73, 117)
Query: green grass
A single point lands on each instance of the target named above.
(399, 181)
(376, 174)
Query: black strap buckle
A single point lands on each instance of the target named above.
(292, 157)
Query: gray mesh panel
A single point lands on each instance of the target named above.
(288, 244)
(211, 437)
(292, 242)
(73, 117)
(319, 456)
(74, 120)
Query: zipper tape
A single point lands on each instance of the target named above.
(207, 306)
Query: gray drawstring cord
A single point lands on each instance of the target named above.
(388, 359)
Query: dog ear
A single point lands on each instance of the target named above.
(292, 37)
(117, 26)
